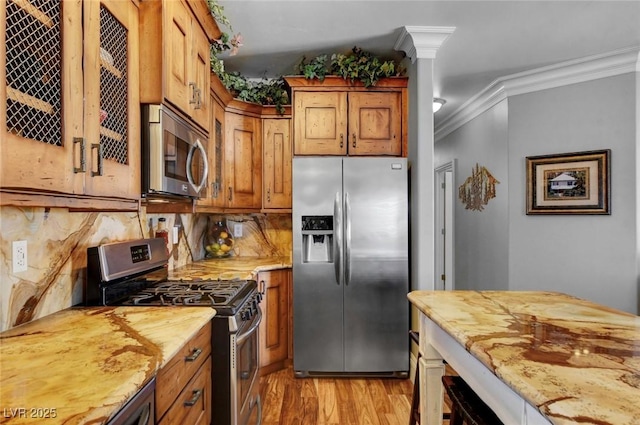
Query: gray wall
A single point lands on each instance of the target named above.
(592, 257)
(481, 237)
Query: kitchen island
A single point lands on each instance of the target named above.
(533, 357)
(82, 365)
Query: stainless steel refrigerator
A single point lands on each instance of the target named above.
(350, 266)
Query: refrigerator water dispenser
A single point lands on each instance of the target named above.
(317, 239)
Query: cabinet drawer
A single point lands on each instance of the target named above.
(173, 377)
(193, 405)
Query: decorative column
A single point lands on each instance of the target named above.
(420, 44)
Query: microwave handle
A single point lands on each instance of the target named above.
(197, 145)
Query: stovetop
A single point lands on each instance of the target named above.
(134, 273)
(226, 296)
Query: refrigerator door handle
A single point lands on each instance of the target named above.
(347, 239)
(337, 238)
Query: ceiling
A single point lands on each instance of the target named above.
(492, 38)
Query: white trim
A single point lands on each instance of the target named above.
(444, 219)
(422, 42)
(574, 71)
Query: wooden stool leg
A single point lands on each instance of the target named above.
(414, 417)
(414, 414)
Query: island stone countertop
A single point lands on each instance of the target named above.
(229, 268)
(575, 361)
(81, 365)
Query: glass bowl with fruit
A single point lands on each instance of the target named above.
(218, 242)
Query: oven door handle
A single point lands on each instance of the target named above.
(254, 326)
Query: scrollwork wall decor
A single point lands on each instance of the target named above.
(478, 189)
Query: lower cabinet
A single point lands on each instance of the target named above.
(183, 385)
(274, 332)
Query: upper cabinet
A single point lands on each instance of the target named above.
(69, 102)
(213, 196)
(249, 152)
(336, 117)
(174, 63)
(276, 162)
(243, 161)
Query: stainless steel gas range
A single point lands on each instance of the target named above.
(134, 273)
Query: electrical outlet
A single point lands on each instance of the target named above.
(176, 234)
(237, 230)
(19, 256)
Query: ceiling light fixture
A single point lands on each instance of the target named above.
(437, 104)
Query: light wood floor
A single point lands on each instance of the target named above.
(327, 401)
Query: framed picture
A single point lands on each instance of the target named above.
(569, 183)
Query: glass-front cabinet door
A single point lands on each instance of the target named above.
(111, 111)
(68, 98)
(38, 78)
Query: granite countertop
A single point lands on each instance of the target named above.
(81, 365)
(576, 361)
(229, 268)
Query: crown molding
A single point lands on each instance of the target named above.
(581, 70)
(422, 42)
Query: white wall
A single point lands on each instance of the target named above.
(589, 256)
(481, 237)
(592, 257)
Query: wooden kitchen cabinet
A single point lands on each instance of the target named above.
(175, 58)
(212, 197)
(243, 161)
(276, 313)
(70, 104)
(183, 385)
(276, 163)
(337, 117)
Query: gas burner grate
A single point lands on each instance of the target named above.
(209, 293)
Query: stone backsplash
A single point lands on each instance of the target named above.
(57, 242)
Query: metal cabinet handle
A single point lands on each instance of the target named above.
(354, 140)
(83, 155)
(230, 194)
(341, 140)
(194, 399)
(97, 146)
(198, 102)
(268, 194)
(262, 287)
(215, 189)
(192, 97)
(192, 358)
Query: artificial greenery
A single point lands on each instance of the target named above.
(263, 92)
(358, 65)
(315, 68)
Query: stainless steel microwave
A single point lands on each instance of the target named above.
(174, 158)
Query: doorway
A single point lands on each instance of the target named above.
(444, 226)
